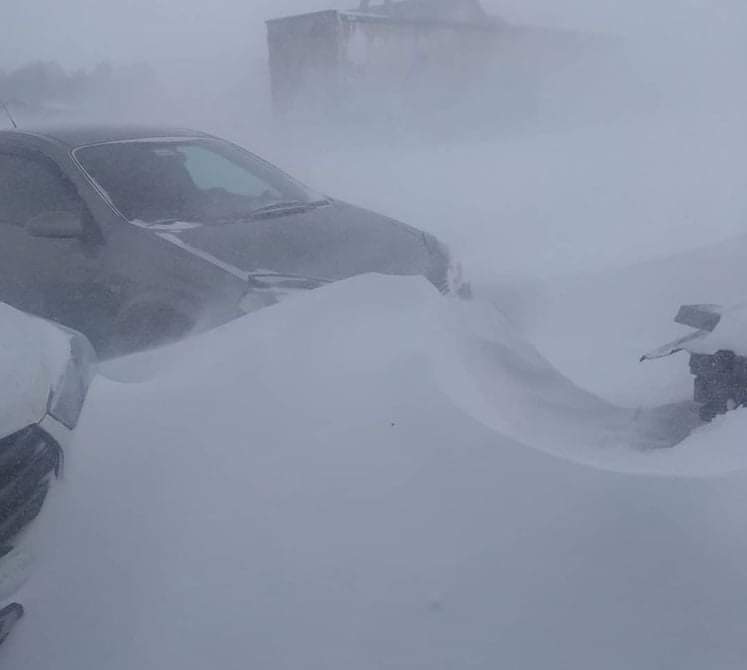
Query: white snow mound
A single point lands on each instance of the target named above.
(353, 333)
(343, 481)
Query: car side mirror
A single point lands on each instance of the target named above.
(56, 225)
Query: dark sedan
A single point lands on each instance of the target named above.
(139, 236)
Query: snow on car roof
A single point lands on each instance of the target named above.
(81, 135)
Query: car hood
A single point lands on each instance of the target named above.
(331, 242)
(33, 358)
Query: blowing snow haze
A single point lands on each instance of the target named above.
(633, 152)
(83, 32)
(211, 62)
(383, 407)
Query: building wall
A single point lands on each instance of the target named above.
(409, 50)
(304, 60)
(344, 68)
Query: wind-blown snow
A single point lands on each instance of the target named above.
(349, 479)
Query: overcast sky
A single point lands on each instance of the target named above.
(83, 32)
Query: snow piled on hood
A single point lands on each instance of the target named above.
(730, 334)
(349, 479)
(33, 356)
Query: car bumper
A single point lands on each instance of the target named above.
(29, 460)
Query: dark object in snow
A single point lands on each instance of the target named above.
(136, 237)
(9, 617)
(702, 317)
(720, 377)
(28, 459)
(720, 382)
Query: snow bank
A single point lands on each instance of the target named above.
(308, 488)
(467, 350)
(595, 327)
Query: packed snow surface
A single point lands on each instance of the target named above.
(371, 475)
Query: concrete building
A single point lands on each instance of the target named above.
(421, 58)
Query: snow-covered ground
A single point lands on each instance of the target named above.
(374, 476)
(371, 476)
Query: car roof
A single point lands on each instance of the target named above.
(81, 135)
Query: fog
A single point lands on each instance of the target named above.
(427, 485)
(83, 32)
(633, 159)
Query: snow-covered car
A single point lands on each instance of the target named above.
(45, 372)
(138, 236)
(718, 356)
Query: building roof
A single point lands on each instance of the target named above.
(461, 13)
(458, 11)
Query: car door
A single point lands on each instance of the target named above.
(52, 274)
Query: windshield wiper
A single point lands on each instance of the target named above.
(268, 274)
(173, 225)
(268, 279)
(280, 208)
(286, 207)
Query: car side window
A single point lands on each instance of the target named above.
(30, 186)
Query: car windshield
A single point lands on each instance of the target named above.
(195, 180)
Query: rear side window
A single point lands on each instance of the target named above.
(32, 186)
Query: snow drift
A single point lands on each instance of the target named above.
(343, 481)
